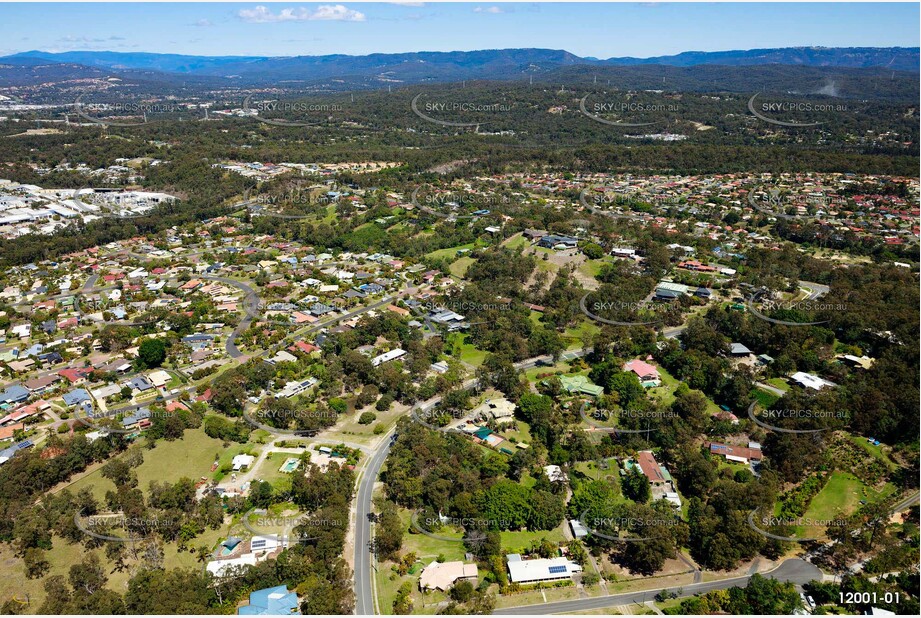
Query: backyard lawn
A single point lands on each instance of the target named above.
(459, 267)
(468, 352)
(842, 494)
(189, 457)
(450, 252)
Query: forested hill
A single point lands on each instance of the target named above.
(416, 67)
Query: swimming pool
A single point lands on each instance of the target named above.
(290, 465)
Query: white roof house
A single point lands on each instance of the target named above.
(221, 567)
(540, 570)
(159, 378)
(807, 380)
(241, 461)
(555, 474)
(387, 356)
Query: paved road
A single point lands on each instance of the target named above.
(364, 598)
(673, 332)
(771, 389)
(795, 570)
(815, 289)
(250, 299)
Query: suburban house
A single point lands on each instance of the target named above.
(238, 553)
(808, 380)
(738, 350)
(579, 384)
(277, 601)
(651, 468)
(648, 374)
(496, 409)
(554, 241)
(443, 575)
(540, 569)
(387, 356)
(739, 454)
(663, 488)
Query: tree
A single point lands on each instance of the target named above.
(35, 562)
(627, 387)
(388, 533)
(547, 511)
(88, 576)
(462, 591)
(636, 486)
(151, 353)
(593, 251)
(367, 418)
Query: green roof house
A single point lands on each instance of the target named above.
(579, 384)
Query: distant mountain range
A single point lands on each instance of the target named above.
(375, 70)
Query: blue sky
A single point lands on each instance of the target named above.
(586, 29)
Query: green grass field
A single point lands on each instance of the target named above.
(460, 266)
(872, 449)
(450, 252)
(591, 268)
(189, 457)
(778, 383)
(666, 392)
(841, 496)
(520, 541)
(515, 241)
(428, 548)
(469, 353)
(581, 335)
(269, 471)
(764, 398)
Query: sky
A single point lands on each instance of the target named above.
(585, 29)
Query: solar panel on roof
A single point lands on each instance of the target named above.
(257, 544)
(558, 569)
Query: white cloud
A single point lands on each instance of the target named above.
(204, 23)
(493, 10)
(325, 12)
